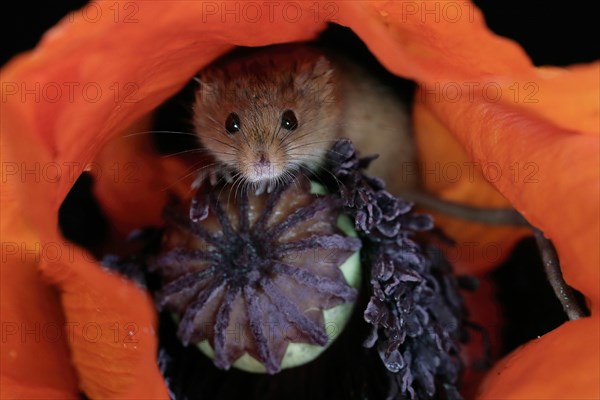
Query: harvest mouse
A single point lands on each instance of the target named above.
(277, 110)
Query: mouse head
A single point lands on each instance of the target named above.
(269, 113)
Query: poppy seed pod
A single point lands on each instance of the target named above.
(260, 282)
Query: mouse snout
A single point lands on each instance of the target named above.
(261, 167)
(262, 158)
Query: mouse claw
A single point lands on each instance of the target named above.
(198, 210)
(260, 188)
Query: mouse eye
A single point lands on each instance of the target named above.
(232, 123)
(288, 120)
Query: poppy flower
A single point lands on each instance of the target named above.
(69, 325)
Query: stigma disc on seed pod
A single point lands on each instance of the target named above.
(262, 282)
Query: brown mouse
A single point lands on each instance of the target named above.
(273, 111)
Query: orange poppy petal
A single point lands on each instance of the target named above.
(563, 364)
(128, 182)
(34, 361)
(35, 356)
(432, 42)
(566, 96)
(447, 171)
(566, 163)
(98, 309)
(18, 389)
(111, 328)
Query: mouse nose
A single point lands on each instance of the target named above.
(262, 167)
(263, 158)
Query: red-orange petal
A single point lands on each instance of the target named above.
(448, 172)
(563, 364)
(98, 309)
(35, 357)
(111, 328)
(566, 96)
(128, 181)
(433, 42)
(566, 163)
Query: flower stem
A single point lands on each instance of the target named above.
(508, 216)
(493, 216)
(563, 292)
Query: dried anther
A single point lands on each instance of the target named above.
(415, 310)
(258, 278)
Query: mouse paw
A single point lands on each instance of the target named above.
(213, 176)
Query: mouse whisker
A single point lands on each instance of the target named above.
(193, 170)
(308, 144)
(244, 187)
(237, 186)
(293, 175)
(242, 184)
(311, 133)
(221, 190)
(196, 150)
(289, 136)
(202, 173)
(165, 132)
(216, 123)
(229, 194)
(293, 135)
(245, 137)
(308, 173)
(313, 155)
(335, 178)
(219, 141)
(275, 133)
(298, 156)
(219, 128)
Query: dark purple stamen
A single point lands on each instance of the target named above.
(416, 313)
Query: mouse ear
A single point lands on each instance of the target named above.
(207, 88)
(316, 75)
(323, 68)
(314, 71)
